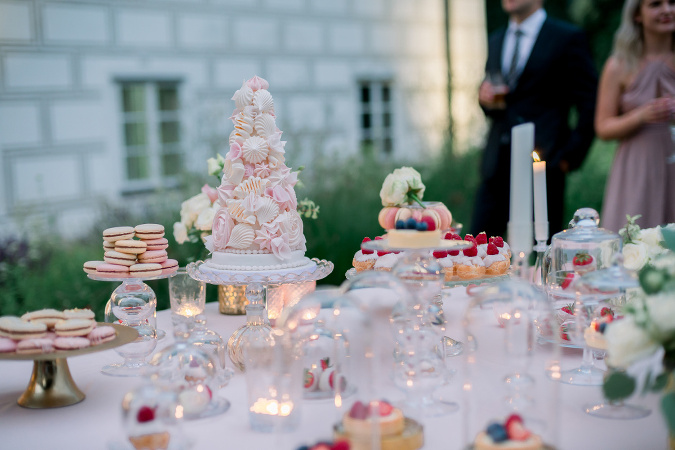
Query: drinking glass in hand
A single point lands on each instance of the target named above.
(499, 89)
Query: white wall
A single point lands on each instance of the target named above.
(60, 137)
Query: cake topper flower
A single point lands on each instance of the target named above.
(402, 187)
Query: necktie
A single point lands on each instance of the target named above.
(511, 75)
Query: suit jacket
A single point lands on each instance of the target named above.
(558, 75)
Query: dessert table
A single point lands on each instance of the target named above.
(96, 423)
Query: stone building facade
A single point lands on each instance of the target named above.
(105, 99)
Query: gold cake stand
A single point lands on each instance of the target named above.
(51, 385)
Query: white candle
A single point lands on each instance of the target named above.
(520, 207)
(540, 204)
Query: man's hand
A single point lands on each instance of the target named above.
(491, 96)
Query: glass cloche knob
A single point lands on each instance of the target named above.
(585, 217)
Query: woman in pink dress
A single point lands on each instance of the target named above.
(635, 105)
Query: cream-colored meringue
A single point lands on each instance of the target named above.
(243, 96)
(268, 210)
(238, 212)
(253, 185)
(255, 149)
(233, 171)
(263, 101)
(241, 237)
(265, 125)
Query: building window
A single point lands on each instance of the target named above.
(151, 133)
(376, 122)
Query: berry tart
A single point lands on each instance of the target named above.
(511, 435)
(495, 263)
(148, 433)
(364, 259)
(471, 266)
(413, 233)
(583, 263)
(594, 334)
(359, 423)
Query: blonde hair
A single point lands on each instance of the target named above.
(629, 38)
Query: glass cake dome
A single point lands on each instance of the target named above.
(511, 363)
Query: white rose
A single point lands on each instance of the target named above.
(634, 256)
(204, 220)
(652, 238)
(661, 309)
(394, 190)
(627, 343)
(180, 232)
(192, 207)
(413, 178)
(290, 224)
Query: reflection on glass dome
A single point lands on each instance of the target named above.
(511, 365)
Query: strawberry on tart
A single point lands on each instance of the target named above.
(364, 259)
(495, 262)
(470, 266)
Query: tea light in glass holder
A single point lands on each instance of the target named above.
(187, 297)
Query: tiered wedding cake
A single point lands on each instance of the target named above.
(257, 226)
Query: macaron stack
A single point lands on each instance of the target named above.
(48, 330)
(138, 252)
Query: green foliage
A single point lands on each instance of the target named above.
(618, 386)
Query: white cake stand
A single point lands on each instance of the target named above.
(256, 283)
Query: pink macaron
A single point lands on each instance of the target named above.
(7, 345)
(156, 244)
(71, 343)
(169, 266)
(112, 270)
(155, 256)
(38, 345)
(99, 335)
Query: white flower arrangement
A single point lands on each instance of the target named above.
(402, 187)
(640, 246)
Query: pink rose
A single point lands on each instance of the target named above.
(235, 151)
(212, 193)
(256, 83)
(222, 228)
(280, 247)
(264, 236)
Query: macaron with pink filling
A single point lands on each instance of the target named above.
(155, 256)
(99, 335)
(156, 244)
(31, 346)
(71, 343)
(7, 345)
(112, 270)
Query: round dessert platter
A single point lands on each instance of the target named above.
(443, 244)
(51, 385)
(478, 281)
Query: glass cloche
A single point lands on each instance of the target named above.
(511, 368)
(582, 248)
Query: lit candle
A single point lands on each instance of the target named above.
(540, 205)
(271, 407)
(520, 206)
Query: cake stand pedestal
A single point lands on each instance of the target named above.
(257, 283)
(51, 385)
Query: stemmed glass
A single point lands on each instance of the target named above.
(133, 304)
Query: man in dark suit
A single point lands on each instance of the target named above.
(547, 66)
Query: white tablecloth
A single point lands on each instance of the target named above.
(96, 422)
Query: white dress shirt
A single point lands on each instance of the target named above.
(530, 28)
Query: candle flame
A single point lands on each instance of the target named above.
(535, 156)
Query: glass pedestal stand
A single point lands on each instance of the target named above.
(133, 303)
(540, 268)
(421, 364)
(256, 283)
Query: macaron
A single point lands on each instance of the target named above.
(149, 231)
(115, 257)
(108, 246)
(155, 256)
(71, 343)
(49, 317)
(74, 327)
(90, 266)
(117, 233)
(156, 244)
(145, 270)
(112, 270)
(15, 328)
(79, 313)
(168, 266)
(130, 246)
(7, 345)
(38, 345)
(99, 335)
